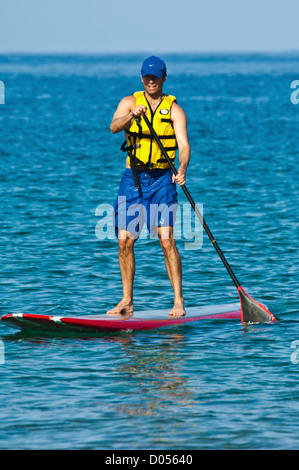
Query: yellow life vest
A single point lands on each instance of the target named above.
(141, 146)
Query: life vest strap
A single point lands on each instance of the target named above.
(129, 148)
(163, 160)
(147, 136)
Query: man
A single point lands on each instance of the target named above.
(148, 179)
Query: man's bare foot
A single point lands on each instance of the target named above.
(123, 308)
(178, 309)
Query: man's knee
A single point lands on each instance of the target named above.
(125, 242)
(166, 238)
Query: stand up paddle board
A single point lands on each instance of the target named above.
(146, 320)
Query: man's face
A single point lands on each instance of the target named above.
(152, 84)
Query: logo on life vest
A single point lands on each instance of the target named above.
(164, 111)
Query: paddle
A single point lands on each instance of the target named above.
(251, 310)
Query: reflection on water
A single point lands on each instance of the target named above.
(155, 368)
(158, 376)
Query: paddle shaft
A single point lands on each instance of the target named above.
(190, 199)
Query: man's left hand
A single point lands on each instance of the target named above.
(180, 178)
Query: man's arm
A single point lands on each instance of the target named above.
(179, 120)
(125, 114)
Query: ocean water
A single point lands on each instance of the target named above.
(212, 385)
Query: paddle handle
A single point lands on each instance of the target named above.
(190, 199)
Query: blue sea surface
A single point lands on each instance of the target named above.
(211, 385)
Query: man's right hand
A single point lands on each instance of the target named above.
(125, 114)
(140, 110)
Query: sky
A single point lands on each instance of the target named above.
(106, 26)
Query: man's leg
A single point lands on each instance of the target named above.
(174, 268)
(126, 260)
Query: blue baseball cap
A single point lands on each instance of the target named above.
(153, 66)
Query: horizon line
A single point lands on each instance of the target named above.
(144, 52)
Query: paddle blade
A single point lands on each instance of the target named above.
(252, 311)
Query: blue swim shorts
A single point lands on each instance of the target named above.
(154, 202)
